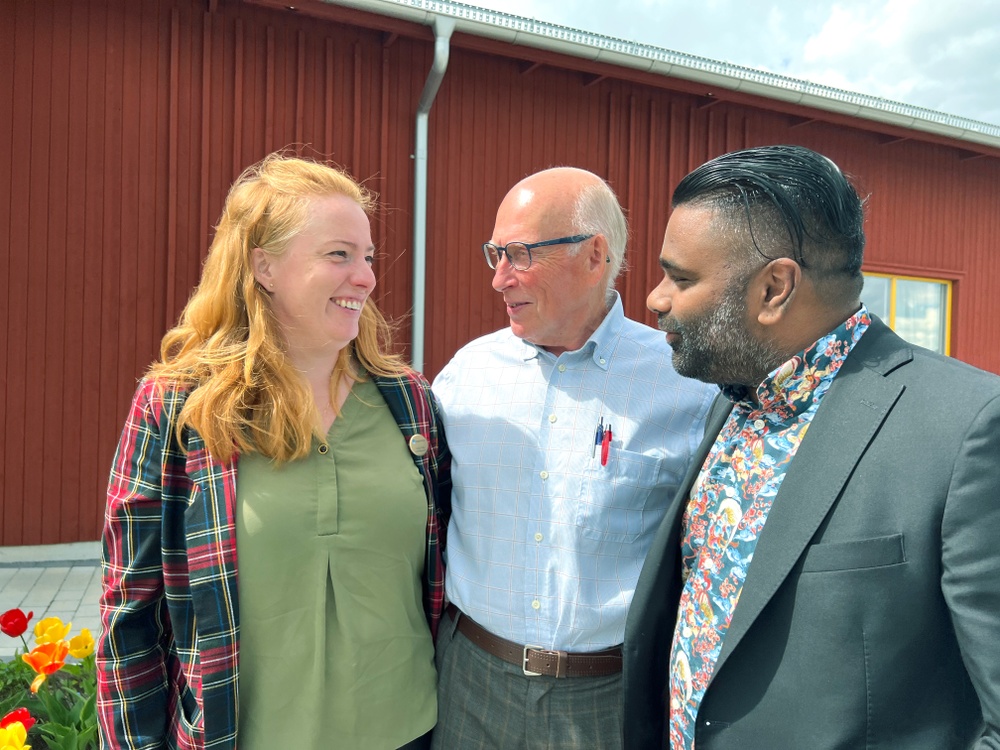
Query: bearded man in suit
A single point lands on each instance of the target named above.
(829, 575)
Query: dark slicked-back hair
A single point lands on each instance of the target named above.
(788, 201)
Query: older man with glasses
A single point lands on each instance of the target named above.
(570, 431)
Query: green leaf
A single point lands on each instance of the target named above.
(87, 739)
(89, 714)
(14, 697)
(15, 675)
(77, 711)
(54, 707)
(59, 737)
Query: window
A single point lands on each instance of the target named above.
(917, 309)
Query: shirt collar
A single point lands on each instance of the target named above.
(794, 383)
(598, 347)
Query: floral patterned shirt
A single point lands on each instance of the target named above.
(728, 507)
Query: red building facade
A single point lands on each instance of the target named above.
(124, 123)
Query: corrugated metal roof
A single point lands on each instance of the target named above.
(659, 60)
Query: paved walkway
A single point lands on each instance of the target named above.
(60, 580)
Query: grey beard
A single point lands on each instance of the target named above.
(718, 347)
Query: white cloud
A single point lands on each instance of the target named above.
(929, 53)
(922, 52)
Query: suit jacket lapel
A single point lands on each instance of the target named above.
(853, 409)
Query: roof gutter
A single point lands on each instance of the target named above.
(443, 28)
(659, 61)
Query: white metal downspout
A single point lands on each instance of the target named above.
(443, 28)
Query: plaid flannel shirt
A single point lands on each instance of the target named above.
(168, 654)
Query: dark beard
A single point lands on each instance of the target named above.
(717, 347)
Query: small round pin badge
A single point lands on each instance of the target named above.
(418, 445)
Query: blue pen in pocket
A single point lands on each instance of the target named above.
(598, 437)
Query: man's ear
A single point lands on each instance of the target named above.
(775, 288)
(262, 269)
(598, 258)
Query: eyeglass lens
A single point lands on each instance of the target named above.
(517, 255)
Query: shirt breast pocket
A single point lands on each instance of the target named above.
(614, 505)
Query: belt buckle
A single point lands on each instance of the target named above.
(524, 661)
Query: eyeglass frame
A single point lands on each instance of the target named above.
(501, 250)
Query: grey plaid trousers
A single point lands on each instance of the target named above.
(484, 703)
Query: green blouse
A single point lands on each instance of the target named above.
(334, 645)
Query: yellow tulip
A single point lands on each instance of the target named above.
(81, 645)
(12, 737)
(50, 630)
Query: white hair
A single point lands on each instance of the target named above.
(597, 211)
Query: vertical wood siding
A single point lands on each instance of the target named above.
(122, 125)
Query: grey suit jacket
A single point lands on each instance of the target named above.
(870, 615)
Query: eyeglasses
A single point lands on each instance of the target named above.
(519, 253)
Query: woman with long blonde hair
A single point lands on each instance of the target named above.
(275, 517)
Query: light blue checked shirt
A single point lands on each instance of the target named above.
(545, 544)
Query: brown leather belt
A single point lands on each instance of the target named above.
(535, 660)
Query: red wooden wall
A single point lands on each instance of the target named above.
(123, 123)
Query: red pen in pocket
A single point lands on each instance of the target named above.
(606, 445)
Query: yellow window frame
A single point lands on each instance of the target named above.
(894, 277)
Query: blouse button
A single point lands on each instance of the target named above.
(323, 449)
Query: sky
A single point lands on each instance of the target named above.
(939, 54)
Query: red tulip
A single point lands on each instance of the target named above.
(18, 714)
(14, 622)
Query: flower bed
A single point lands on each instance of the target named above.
(47, 702)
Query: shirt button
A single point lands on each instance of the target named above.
(323, 449)
(538, 537)
(562, 368)
(544, 475)
(759, 424)
(536, 604)
(603, 361)
(553, 417)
